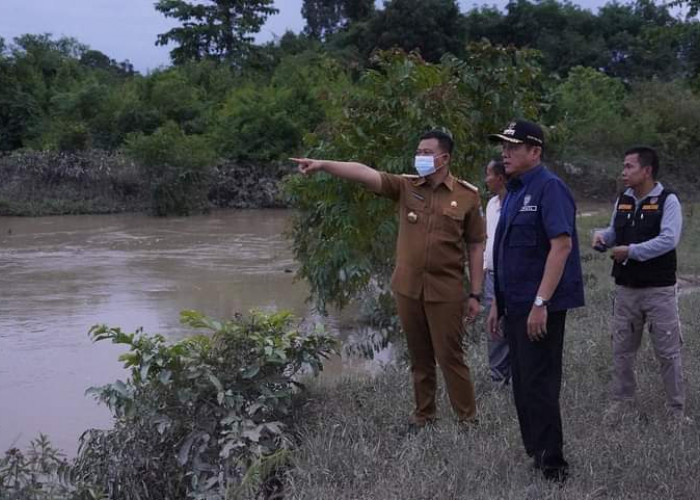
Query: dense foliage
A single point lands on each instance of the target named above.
(176, 169)
(58, 94)
(43, 473)
(207, 417)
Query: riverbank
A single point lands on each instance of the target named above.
(100, 182)
(353, 443)
(36, 183)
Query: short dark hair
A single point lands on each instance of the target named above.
(648, 157)
(444, 139)
(497, 166)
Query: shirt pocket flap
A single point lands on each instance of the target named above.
(523, 230)
(413, 203)
(453, 213)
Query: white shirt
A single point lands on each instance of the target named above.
(493, 212)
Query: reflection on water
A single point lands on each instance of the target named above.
(61, 275)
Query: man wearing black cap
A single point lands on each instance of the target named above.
(537, 279)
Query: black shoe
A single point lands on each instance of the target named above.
(556, 475)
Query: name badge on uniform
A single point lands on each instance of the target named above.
(528, 208)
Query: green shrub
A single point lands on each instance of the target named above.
(204, 417)
(589, 109)
(258, 124)
(177, 169)
(666, 115)
(41, 474)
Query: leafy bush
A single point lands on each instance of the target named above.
(666, 115)
(176, 167)
(268, 122)
(598, 120)
(588, 107)
(42, 474)
(258, 124)
(204, 417)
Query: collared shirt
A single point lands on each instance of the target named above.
(493, 212)
(671, 227)
(435, 225)
(538, 208)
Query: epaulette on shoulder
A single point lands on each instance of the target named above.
(468, 185)
(410, 176)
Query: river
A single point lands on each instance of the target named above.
(61, 275)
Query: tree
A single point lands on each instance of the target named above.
(692, 5)
(325, 17)
(94, 59)
(213, 29)
(590, 104)
(634, 40)
(434, 27)
(643, 40)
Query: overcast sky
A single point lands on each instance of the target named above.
(127, 29)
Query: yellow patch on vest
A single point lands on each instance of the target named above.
(625, 207)
(650, 207)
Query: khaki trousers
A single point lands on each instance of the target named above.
(658, 308)
(434, 332)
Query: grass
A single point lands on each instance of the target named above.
(353, 445)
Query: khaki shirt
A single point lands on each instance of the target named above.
(435, 225)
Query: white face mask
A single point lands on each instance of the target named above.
(425, 165)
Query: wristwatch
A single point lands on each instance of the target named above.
(541, 302)
(476, 296)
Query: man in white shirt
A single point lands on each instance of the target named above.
(499, 359)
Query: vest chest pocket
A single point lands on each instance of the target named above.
(621, 219)
(649, 224)
(523, 230)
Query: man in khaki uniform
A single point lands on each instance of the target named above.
(440, 221)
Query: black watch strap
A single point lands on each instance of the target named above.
(476, 296)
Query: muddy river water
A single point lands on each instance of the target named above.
(61, 275)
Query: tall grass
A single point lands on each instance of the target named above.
(353, 444)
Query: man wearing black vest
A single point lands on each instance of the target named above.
(643, 235)
(537, 280)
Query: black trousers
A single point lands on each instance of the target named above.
(536, 374)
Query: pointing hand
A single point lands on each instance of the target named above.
(307, 165)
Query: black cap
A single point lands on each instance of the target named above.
(519, 132)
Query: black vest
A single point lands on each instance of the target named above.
(637, 226)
